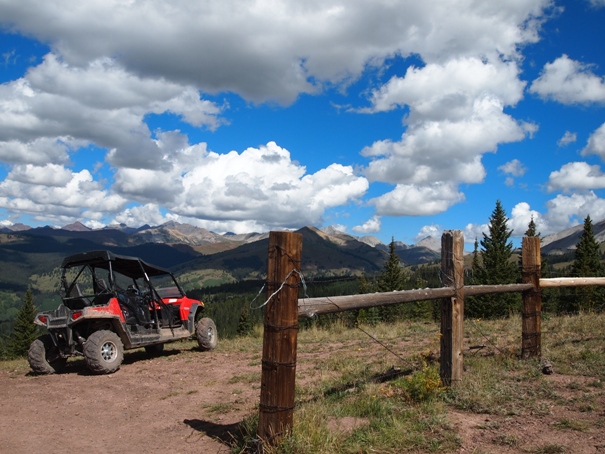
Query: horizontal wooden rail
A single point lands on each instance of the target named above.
(473, 290)
(311, 307)
(571, 282)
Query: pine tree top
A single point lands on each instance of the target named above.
(588, 256)
(531, 229)
(391, 277)
(496, 251)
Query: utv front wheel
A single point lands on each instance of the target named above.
(44, 357)
(103, 352)
(207, 337)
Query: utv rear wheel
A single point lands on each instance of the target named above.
(44, 357)
(103, 352)
(207, 337)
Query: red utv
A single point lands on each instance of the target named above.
(113, 303)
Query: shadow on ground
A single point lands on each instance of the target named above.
(223, 433)
(78, 365)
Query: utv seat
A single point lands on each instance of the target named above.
(102, 293)
(137, 311)
(76, 299)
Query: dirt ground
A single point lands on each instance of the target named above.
(181, 402)
(186, 401)
(571, 426)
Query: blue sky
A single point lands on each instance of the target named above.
(387, 118)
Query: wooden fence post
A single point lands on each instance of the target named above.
(531, 338)
(276, 407)
(452, 309)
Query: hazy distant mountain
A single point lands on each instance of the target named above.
(321, 255)
(174, 232)
(370, 240)
(15, 228)
(77, 227)
(565, 241)
(124, 228)
(339, 237)
(414, 254)
(431, 243)
(424, 251)
(246, 237)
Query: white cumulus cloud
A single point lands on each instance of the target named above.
(54, 194)
(272, 49)
(576, 175)
(456, 115)
(412, 200)
(521, 216)
(372, 225)
(56, 107)
(474, 232)
(262, 184)
(596, 143)
(565, 211)
(569, 81)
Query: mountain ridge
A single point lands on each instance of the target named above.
(175, 232)
(28, 256)
(208, 242)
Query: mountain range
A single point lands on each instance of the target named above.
(28, 254)
(199, 256)
(204, 241)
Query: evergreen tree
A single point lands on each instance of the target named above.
(587, 264)
(588, 258)
(244, 325)
(365, 286)
(494, 268)
(475, 263)
(391, 279)
(531, 229)
(24, 330)
(3, 352)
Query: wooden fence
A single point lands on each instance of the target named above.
(283, 308)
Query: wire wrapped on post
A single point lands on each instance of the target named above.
(283, 284)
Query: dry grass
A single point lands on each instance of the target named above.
(337, 367)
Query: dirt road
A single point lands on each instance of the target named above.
(184, 401)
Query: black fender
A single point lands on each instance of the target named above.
(193, 311)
